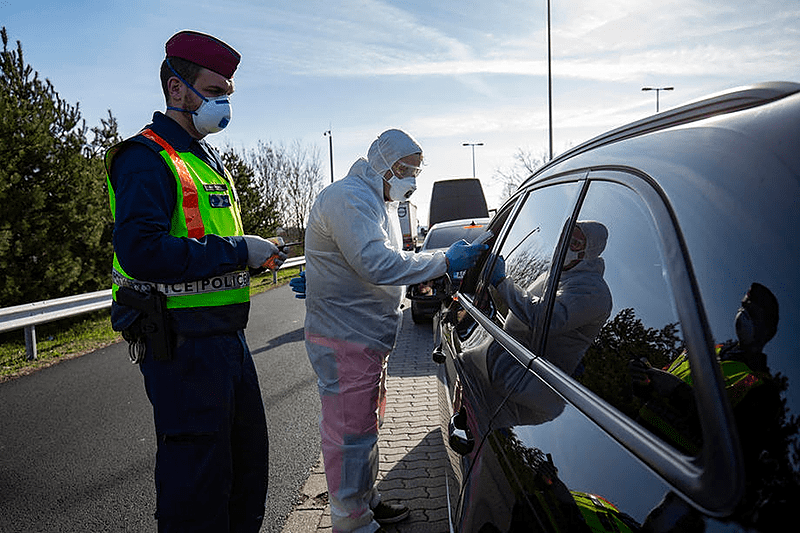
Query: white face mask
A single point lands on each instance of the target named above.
(572, 255)
(212, 115)
(401, 189)
(575, 255)
(745, 328)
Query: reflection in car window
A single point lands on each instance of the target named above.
(637, 361)
(744, 249)
(514, 300)
(526, 256)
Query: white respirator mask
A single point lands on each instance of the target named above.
(401, 189)
(573, 255)
(213, 114)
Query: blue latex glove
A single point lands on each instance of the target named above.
(499, 271)
(463, 255)
(298, 285)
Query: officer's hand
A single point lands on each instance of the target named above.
(298, 285)
(259, 250)
(279, 260)
(498, 272)
(462, 255)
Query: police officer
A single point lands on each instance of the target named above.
(178, 240)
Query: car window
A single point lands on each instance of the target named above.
(444, 237)
(472, 277)
(525, 258)
(618, 311)
(613, 325)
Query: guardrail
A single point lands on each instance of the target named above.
(28, 316)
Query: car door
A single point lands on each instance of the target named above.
(528, 232)
(629, 456)
(567, 439)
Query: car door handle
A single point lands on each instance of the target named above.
(459, 435)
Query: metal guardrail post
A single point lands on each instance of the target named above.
(30, 343)
(28, 316)
(289, 263)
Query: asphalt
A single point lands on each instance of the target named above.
(410, 443)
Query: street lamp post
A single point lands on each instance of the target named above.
(329, 135)
(473, 145)
(549, 84)
(657, 90)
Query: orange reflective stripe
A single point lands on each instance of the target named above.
(191, 202)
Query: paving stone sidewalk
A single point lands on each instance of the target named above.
(412, 453)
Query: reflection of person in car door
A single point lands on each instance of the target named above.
(582, 306)
(583, 299)
(755, 397)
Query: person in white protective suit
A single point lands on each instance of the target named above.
(353, 285)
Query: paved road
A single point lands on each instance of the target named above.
(77, 440)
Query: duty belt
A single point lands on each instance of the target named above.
(225, 282)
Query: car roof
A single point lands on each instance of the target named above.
(716, 110)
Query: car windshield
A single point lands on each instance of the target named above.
(444, 237)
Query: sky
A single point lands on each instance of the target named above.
(446, 72)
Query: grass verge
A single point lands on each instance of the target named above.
(65, 339)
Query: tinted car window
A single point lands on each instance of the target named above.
(526, 256)
(635, 359)
(737, 233)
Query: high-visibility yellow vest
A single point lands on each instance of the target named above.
(739, 379)
(600, 515)
(207, 203)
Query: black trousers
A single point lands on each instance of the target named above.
(212, 458)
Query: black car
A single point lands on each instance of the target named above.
(440, 237)
(640, 372)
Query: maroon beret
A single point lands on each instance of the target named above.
(204, 50)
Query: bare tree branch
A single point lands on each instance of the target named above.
(525, 164)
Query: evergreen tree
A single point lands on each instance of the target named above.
(621, 339)
(55, 221)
